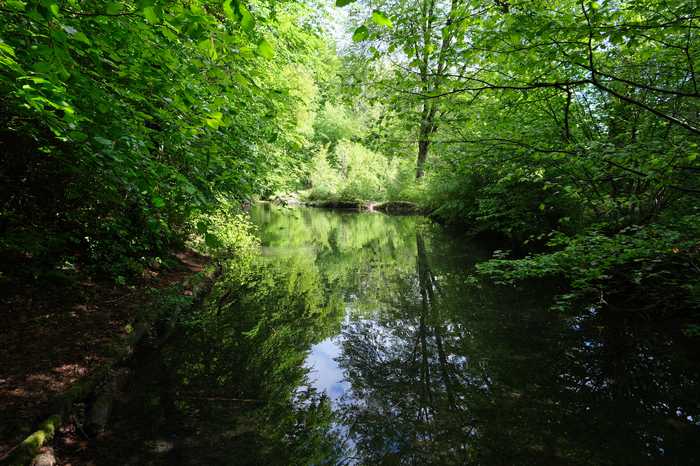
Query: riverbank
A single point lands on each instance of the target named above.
(61, 339)
(387, 207)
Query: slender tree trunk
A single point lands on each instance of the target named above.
(422, 157)
(427, 128)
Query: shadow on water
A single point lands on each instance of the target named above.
(355, 339)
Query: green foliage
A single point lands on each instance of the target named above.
(381, 19)
(122, 122)
(225, 232)
(540, 120)
(360, 34)
(324, 178)
(336, 122)
(353, 172)
(655, 261)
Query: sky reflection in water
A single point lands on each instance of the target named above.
(423, 368)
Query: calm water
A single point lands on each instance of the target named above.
(356, 339)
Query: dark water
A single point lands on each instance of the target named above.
(357, 339)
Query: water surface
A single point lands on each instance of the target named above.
(356, 339)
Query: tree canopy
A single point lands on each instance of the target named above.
(121, 121)
(569, 127)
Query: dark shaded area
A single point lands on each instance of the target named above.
(58, 332)
(450, 374)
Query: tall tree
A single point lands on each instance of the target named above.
(424, 39)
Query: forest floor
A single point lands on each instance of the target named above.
(55, 335)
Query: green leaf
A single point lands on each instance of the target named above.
(214, 120)
(228, 11)
(81, 37)
(169, 34)
(240, 14)
(150, 14)
(343, 2)
(204, 45)
(158, 202)
(113, 8)
(16, 5)
(381, 19)
(211, 240)
(54, 9)
(265, 49)
(207, 45)
(78, 136)
(247, 20)
(360, 34)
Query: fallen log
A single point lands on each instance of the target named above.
(25, 452)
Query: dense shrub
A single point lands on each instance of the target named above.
(354, 172)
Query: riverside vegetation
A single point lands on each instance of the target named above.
(568, 127)
(564, 133)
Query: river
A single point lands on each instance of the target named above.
(360, 338)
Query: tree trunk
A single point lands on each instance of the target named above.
(422, 157)
(427, 128)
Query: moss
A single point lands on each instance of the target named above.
(29, 448)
